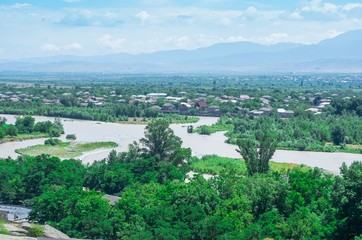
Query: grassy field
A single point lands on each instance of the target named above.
(213, 164)
(22, 137)
(65, 150)
(213, 128)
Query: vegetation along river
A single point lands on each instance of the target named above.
(124, 134)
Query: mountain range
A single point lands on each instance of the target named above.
(340, 54)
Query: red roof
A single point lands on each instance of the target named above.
(201, 104)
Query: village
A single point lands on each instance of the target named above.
(184, 104)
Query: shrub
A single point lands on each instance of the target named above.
(3, 230)
(71, 137)
(52, 141)
(36, 230)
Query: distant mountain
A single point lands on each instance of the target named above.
(340, 54)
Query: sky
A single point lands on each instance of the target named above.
(39, 28)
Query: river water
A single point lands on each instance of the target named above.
(124, 134)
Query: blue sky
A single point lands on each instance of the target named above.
(37, 28)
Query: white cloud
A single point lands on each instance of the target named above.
(331, 34)
(143, 15)
(236, 39)
(20, 5)
(319, 6)
(54, 48)
(16, 6)
(50, 47)
(108, 42)
(226, 21)
(295, 15)
(350, 6)
(178, 41)
(70, 1)
(75, 46)
(272, 38)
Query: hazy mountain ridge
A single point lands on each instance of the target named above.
(340, 54)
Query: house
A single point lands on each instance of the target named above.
(157, 95)
(256, 113)
(214, 110)
(184, 107)
(315, 110)
(168, 108)
(324, 101)
(201, 105)
(158, 108)
(4, 215)
(244, 97)
(266, 110)
(173, 99)
(284, 113)
(14, 99)
(48, 102)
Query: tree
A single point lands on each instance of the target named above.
(338, 135)
(12, 131)
(160, 141)
(257, 161)
(347, 198)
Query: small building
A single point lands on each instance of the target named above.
(324, 101)
(184, 107)
(168, 108)
(201, 105)
(244, 97)
(284, 113)
(4, 215)
(158, 108)
(14, 213)
(256, 113)
(214, 110)
(266, 110)
(157, 95)
(315, 110)
(14, 99)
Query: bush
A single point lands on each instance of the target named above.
(206, 130)
(3, 230)
(52, 141)
(36, 230)
(71, 137)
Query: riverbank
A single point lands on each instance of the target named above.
(145, 121)
(124, 134)
(216, 165)
(65, 150)
(23, 137)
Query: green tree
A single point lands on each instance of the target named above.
(12, 131)
(338, 135)
(160, 141)
(347, 198)
(257, 161)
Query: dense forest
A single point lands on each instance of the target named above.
(26, 126)
(156, 202)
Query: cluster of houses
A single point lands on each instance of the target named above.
(181, 104)
(15, 97)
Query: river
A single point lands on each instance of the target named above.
(124, 134)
